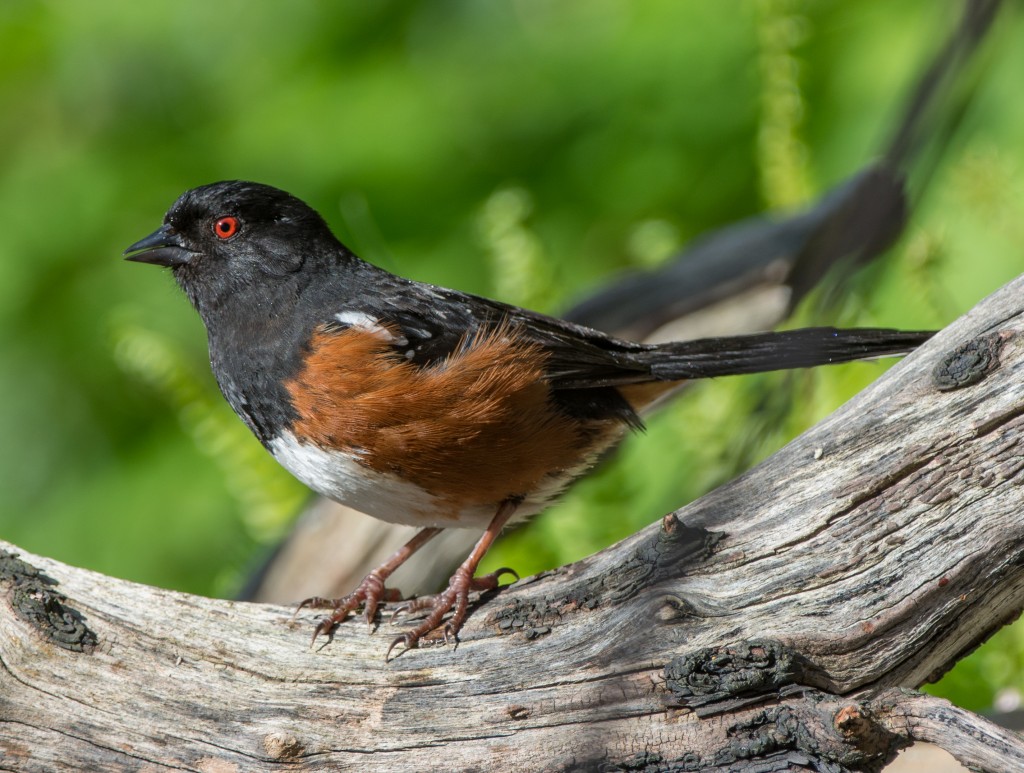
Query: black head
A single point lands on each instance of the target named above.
(222, 238)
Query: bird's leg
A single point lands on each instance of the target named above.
(371, 590)
(455, 598)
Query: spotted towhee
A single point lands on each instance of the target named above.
(417, 404)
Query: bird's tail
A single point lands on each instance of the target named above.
(804, 348)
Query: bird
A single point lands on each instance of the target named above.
(422, 405)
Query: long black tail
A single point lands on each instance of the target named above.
(781, 350)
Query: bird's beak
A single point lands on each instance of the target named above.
(161, 248)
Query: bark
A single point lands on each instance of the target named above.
(780, 622)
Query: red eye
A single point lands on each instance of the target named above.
(226, 227)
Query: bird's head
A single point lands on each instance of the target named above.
(222, 238)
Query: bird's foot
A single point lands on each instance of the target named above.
(368, 594)
(454, 599)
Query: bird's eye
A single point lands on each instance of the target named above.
(225, 227)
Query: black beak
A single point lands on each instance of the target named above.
(161, 248)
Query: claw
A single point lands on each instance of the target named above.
(450, 635)
(315, 602)
(326, 627)
(403, 639)
(490, 581)
(399, 610)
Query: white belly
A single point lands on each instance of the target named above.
(339, 476)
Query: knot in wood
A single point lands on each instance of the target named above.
(283, 746)
(736, 674)
(36, 602)
(968, 364)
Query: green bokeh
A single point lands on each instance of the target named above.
(605, 128)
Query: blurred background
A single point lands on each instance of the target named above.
(525, 150)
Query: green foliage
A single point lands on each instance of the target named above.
(782, 153)
(522, 273)
(523, 149)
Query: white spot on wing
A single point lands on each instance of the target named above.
(370, 324)
(358, 319)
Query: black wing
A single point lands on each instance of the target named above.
(435, 322)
